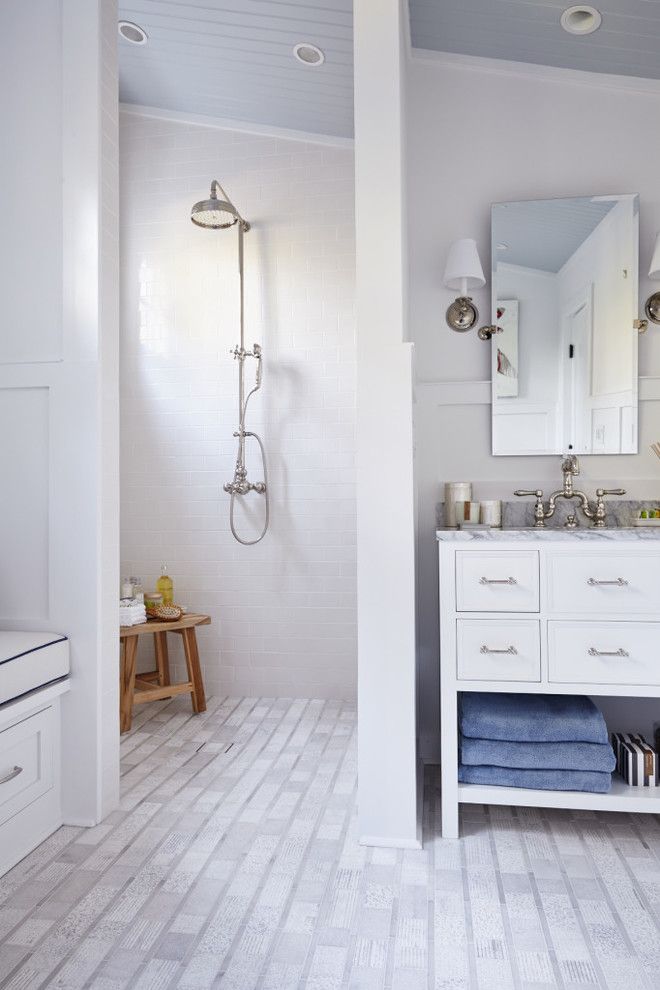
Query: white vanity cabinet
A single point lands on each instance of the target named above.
(549, 611)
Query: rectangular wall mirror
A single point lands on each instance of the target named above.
(565, 293)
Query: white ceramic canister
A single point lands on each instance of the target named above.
(455, 491)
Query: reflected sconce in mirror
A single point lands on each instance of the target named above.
(463, 272)
(652, 307)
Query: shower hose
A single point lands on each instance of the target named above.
(266, 492)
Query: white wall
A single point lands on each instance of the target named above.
(58, 365)
(387, 753)
(519, 133)
(284, 611)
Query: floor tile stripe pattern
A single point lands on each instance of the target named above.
(232, 862)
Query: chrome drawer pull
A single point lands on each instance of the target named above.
(619, 583)
(10, 776)
(509, 580)
(593, 652)
(510, 650)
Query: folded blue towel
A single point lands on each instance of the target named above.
(544, 780)
(538, 755)
(531, 718)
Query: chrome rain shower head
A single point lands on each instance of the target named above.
(217, 214)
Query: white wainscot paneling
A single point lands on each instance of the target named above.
(24, 454)
(525, 429)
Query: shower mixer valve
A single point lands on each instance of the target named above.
(240, 485)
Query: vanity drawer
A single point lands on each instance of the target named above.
(498, 650)
(604, 583)
(497, 582)
(26, 762)
(604, 652)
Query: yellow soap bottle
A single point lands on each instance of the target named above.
(165, 586)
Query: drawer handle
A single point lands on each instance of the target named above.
(593, 652)
(618, 583)
(509, 580)
(10, 776)
(510, 650)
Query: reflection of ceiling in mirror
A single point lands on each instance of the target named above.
(544, 234)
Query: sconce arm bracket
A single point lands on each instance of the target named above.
(485, 333)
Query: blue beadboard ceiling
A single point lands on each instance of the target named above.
(627, 42)
(233, 58)
(544, 234)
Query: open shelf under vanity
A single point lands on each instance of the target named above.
(622, 797)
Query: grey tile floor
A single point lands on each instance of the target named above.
(233, 862)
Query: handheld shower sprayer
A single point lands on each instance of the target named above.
(219, 214)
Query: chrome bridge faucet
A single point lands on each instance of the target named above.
(595, 511)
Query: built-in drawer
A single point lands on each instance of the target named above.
(497, 582)
(498, 650)
(604, 583)
(26, 763)
(604, 652)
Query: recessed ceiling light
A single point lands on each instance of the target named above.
(581, 19)
(132, 33)
(308, 54)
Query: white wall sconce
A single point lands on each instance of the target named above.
(463, 272)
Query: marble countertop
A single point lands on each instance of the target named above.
(532, 535)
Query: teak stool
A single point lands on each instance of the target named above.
(134, 689)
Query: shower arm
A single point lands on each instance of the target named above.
(242, 222)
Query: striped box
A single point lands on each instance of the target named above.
(636, 760)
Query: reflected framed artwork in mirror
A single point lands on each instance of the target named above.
(565, 293)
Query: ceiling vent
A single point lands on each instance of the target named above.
(308, 54)
(132, 33)
(581, 19)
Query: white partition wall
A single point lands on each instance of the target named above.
(58, 367)
(385, 492)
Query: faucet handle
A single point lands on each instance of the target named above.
(539, 510)
(599, 514)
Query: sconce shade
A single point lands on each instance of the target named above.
(654, 270)
(463, 270)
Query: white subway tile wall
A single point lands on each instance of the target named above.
(284, 611)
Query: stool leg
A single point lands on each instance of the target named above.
(127, 686)
(162, 658)
(194, 671)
